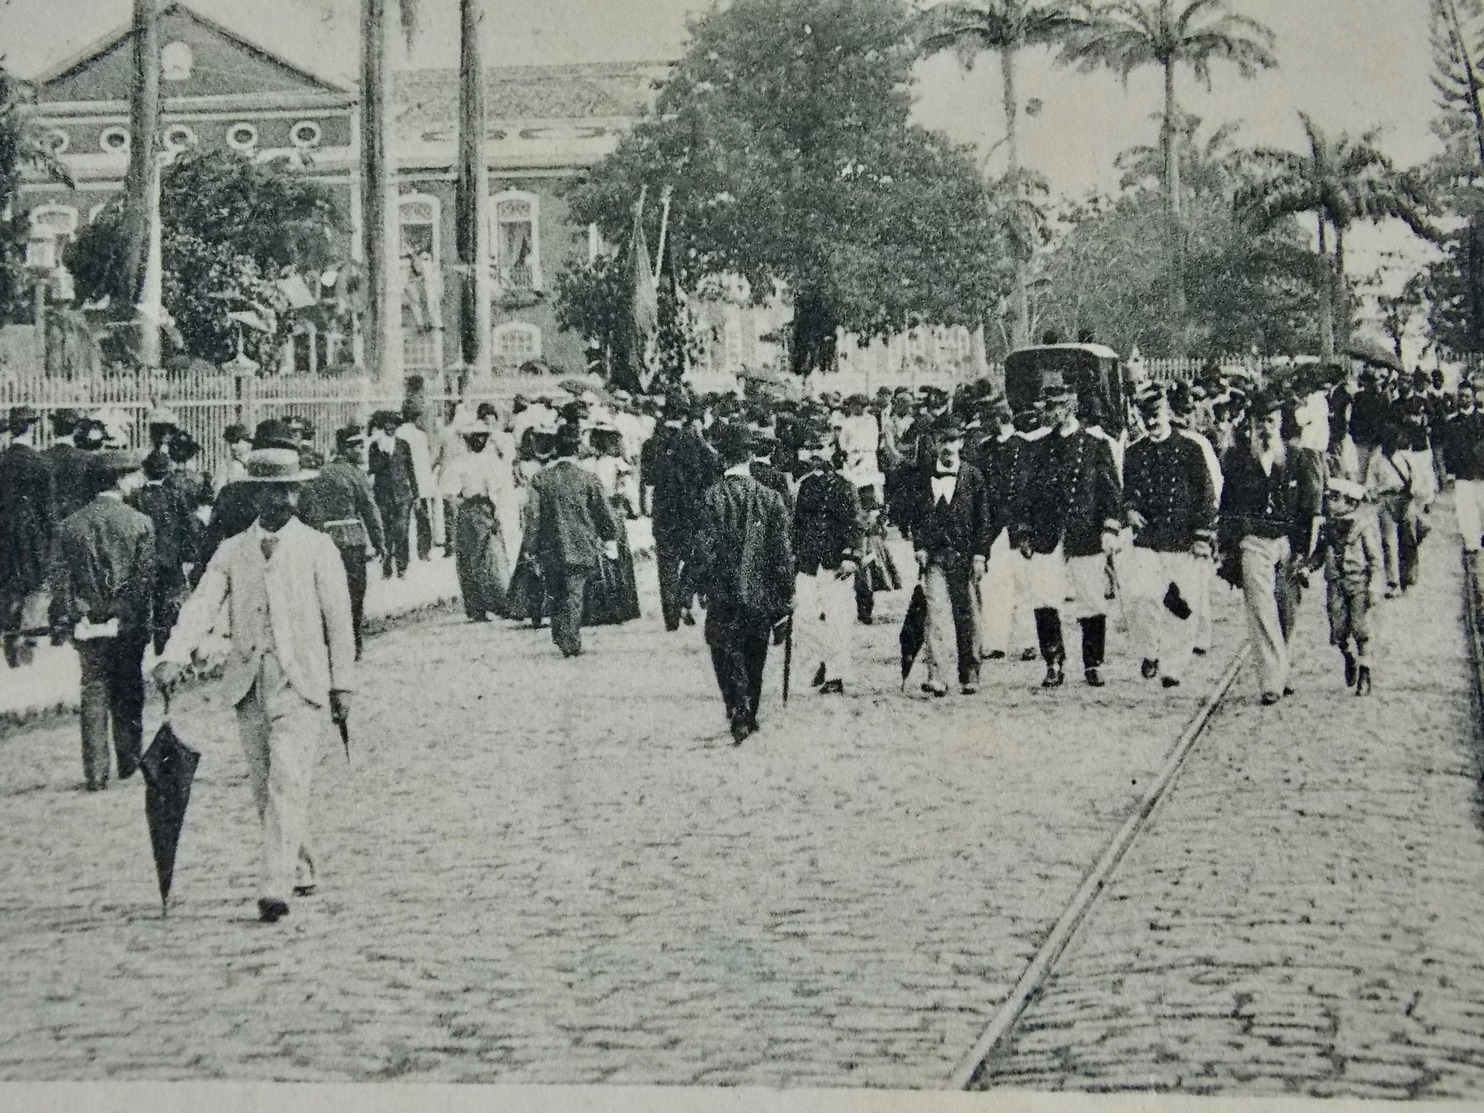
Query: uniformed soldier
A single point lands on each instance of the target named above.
(1069, 504)
(1172, 510)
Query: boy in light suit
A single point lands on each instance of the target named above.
(293, 652)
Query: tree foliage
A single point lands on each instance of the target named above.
(1457, 33)
(231, 229)
(784, 133)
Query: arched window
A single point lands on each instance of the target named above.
(516, 240)
(517, 342)
(176, 62)
(418, 215)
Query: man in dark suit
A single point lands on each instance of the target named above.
(102, 573)
(177, 535)
(394, 484)
(764, 447)
(828, 540)
(339, 500)
(1069, 505)
(26, 525)
(676, 469)
(72, 479)
(745, 575)
(237, 505)
(950, 525)
(573, 525)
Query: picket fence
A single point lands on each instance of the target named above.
(207, 400)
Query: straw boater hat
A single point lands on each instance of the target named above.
(276, 466)
(116, 463)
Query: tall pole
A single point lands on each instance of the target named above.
(143, 181)
(383, 351)
(472, 202)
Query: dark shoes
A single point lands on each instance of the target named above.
(1169, 683)
(1271, 698)
(1198, 651)
(1149, 668)
(1349, 667)
(1054, 676)
(833, 686)
(935, 690)
(995, 655)
(305, 889)
(271, 911)
(1362, 681)
(1029, 655)
(1093, 677)
(819, 676)
(688, 619)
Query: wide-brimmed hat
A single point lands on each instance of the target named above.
(276, 466)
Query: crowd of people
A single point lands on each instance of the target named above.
(781, 518)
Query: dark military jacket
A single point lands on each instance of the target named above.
(828, 527)
(1168, 484)
(72, 478)
(340, 501)
(1068, 494)
(26, 521)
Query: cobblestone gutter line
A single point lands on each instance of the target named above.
(970, 1073)
(1474, 612)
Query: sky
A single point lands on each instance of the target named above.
(1353, 65)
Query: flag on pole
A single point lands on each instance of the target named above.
(646, 303)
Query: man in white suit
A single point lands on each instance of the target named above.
(293, 652)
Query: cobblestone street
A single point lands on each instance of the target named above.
(547, 871)
(1302, 914)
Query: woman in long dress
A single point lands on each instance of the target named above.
(613, 595)
(478, 545)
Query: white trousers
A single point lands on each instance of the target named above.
(1054, 581)
(1002, 599)
(824, 624)
(281, 738)
(1155, 631)
(1468, 498)
(1263, 561)
(1202, 572)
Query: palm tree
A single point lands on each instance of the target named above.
(1004, 27)
(1341, 180)
(1212, 166)
(472, 193)
(378, 174)
(1128, 35)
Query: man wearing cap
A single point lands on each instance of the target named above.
(1260, 514)
(1183, 420)
(745, 574)
(1069, 504)
(950, 526)
(26, 525)
(571, 525)
(764, 445)
(1002, 618)
(161, 423)
(239, 445)
(1172, 510)
(827, 543)
(340, 503)
(102, 575)
(177, 535)
(291, 664)
(393, 481)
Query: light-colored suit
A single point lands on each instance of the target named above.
(292, 644)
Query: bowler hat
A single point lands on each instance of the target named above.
(275, 434)
(236, 433)
(276, 465)
(733, 442)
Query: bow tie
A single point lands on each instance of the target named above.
(269, 543)
(941, 474)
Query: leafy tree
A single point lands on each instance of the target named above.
(21, 151)
(784, 133)
(1128, 35)
(1457, 28)
(1005, 28)
(231, 229)
(1340, 180)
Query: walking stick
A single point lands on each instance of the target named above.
(788, 655)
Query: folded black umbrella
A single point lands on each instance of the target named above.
(914, 631)
(169, 767)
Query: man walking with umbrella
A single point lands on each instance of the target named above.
(102, 579)
(292, 660)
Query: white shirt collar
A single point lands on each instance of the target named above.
(743, 470)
